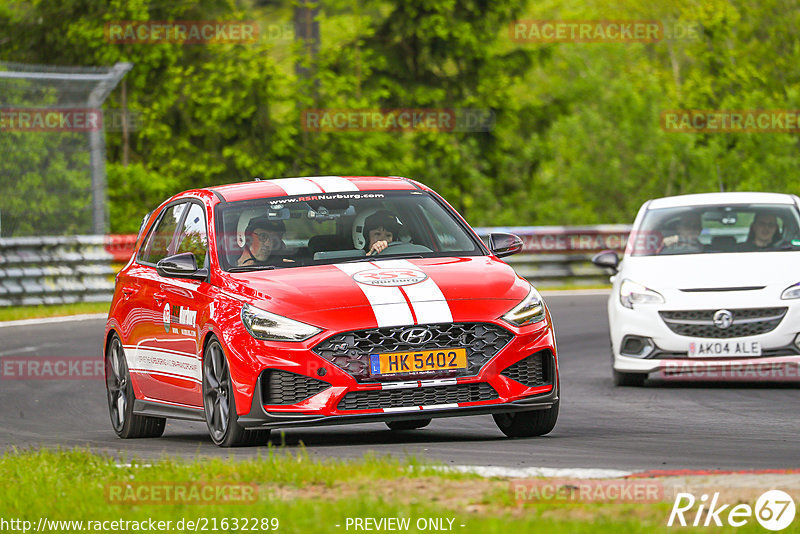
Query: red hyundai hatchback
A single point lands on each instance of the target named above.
(323, 300)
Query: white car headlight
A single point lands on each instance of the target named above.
(631, 293)
(530, 310)
(270, 327)
(791, 292)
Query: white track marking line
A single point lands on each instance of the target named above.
(31, 348)
(52, 320)
(533, 472)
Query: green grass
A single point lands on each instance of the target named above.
(304, 494)
(35, 312)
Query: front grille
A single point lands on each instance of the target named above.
(531, 371)
(419, 396)
(283, 387)
(746, 322)
(350, 351)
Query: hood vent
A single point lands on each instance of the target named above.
(710, 289)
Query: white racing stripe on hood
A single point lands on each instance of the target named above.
(388, 303)
(333, 184)
(297, 186)
(426, 297)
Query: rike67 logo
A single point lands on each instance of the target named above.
(774, 510)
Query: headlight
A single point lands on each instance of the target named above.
(631, 293)
(529, 311)
(270, 327)
(791, 292)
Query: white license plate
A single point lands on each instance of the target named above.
(740, 348)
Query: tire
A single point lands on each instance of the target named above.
(219, 403)
(409, 424)
(119, 392)
(628, 379)
(527, 424)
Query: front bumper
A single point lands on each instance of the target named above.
(260, 416)
(667, 356)
(765, 368)
(522, 376)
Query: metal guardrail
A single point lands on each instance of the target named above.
(561, 255)
(54, 270)
(120, 246)
(548, 270)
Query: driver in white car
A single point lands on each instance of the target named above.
(380, 229)
(686, 240)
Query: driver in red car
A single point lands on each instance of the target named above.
(263, 236)
(380, 229)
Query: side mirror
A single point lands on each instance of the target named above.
(607, 259)
(183, 265)
(504, 244)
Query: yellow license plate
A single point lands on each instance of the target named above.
(419, 361)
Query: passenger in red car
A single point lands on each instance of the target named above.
(380, 229)
(262, 237)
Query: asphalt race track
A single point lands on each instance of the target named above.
(661, 426)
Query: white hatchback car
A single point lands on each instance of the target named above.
(708, 282)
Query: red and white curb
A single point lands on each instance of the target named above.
(490, 471)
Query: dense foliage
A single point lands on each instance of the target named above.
(576, 139)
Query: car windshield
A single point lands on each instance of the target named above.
(716, 229)
(269, 233)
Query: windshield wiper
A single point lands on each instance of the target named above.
(379, 258)
(245, 268)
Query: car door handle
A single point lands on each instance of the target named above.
(128, 291)
(159, 297)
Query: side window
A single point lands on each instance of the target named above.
(158, 242)
(193, 237)
(448, 235)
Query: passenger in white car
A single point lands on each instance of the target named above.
(763, 232)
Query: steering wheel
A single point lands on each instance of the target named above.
(388, 246)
